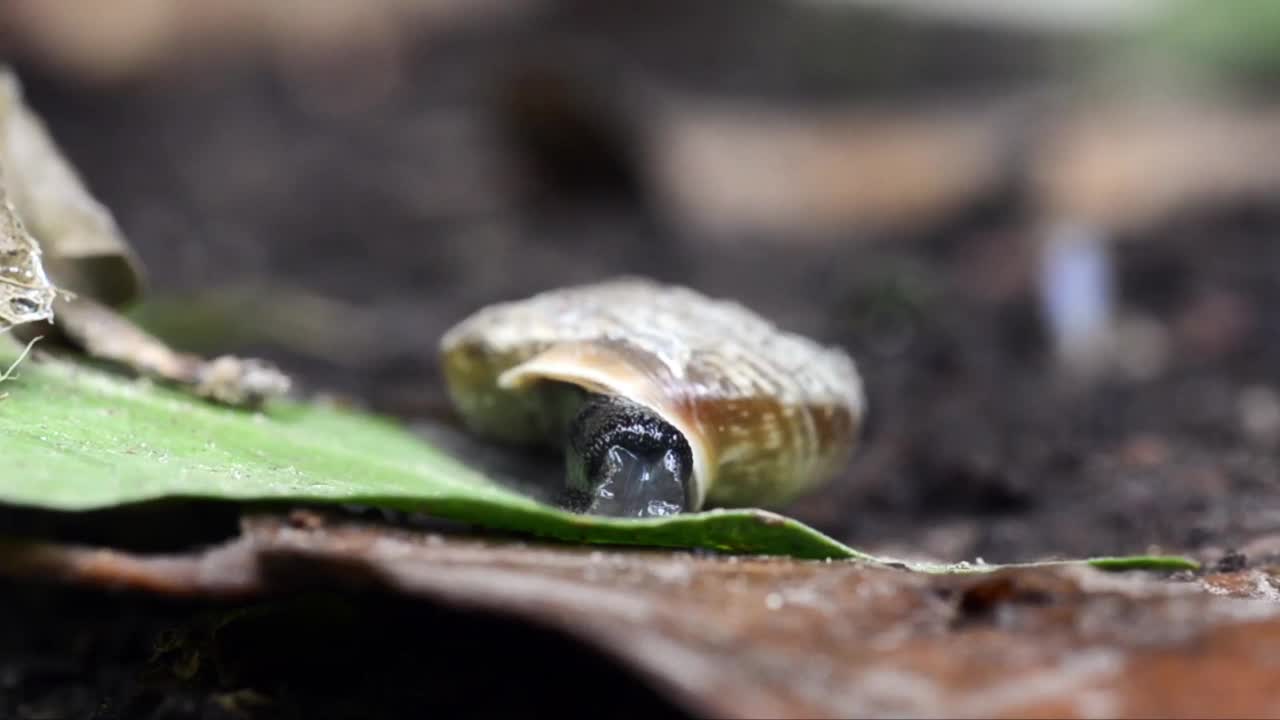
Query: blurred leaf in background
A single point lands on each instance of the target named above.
(1227, 39)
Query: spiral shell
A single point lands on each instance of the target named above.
(767, 414)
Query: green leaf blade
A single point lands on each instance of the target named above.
(74, 438)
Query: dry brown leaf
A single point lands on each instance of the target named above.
(736, 637)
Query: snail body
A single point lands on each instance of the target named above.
(722, 403)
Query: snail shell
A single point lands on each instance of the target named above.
(767, 414)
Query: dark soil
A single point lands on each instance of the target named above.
(93, 654)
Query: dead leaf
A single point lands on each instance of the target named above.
(746, 637)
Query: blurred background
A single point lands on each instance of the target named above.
(1045, 231)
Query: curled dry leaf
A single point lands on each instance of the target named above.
(742, 637)
(26, 295)
(87, 255)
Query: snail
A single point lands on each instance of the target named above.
(663, 400)
(64, 260)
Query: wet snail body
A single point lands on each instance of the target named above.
(623, 459)
(662, 399)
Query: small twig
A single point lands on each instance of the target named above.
(8, 373)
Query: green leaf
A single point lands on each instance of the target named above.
(1233, 38)
(1154, 563)
(76, 438)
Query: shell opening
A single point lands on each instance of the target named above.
(606, 370)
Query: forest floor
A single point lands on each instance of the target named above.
(406, 217)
